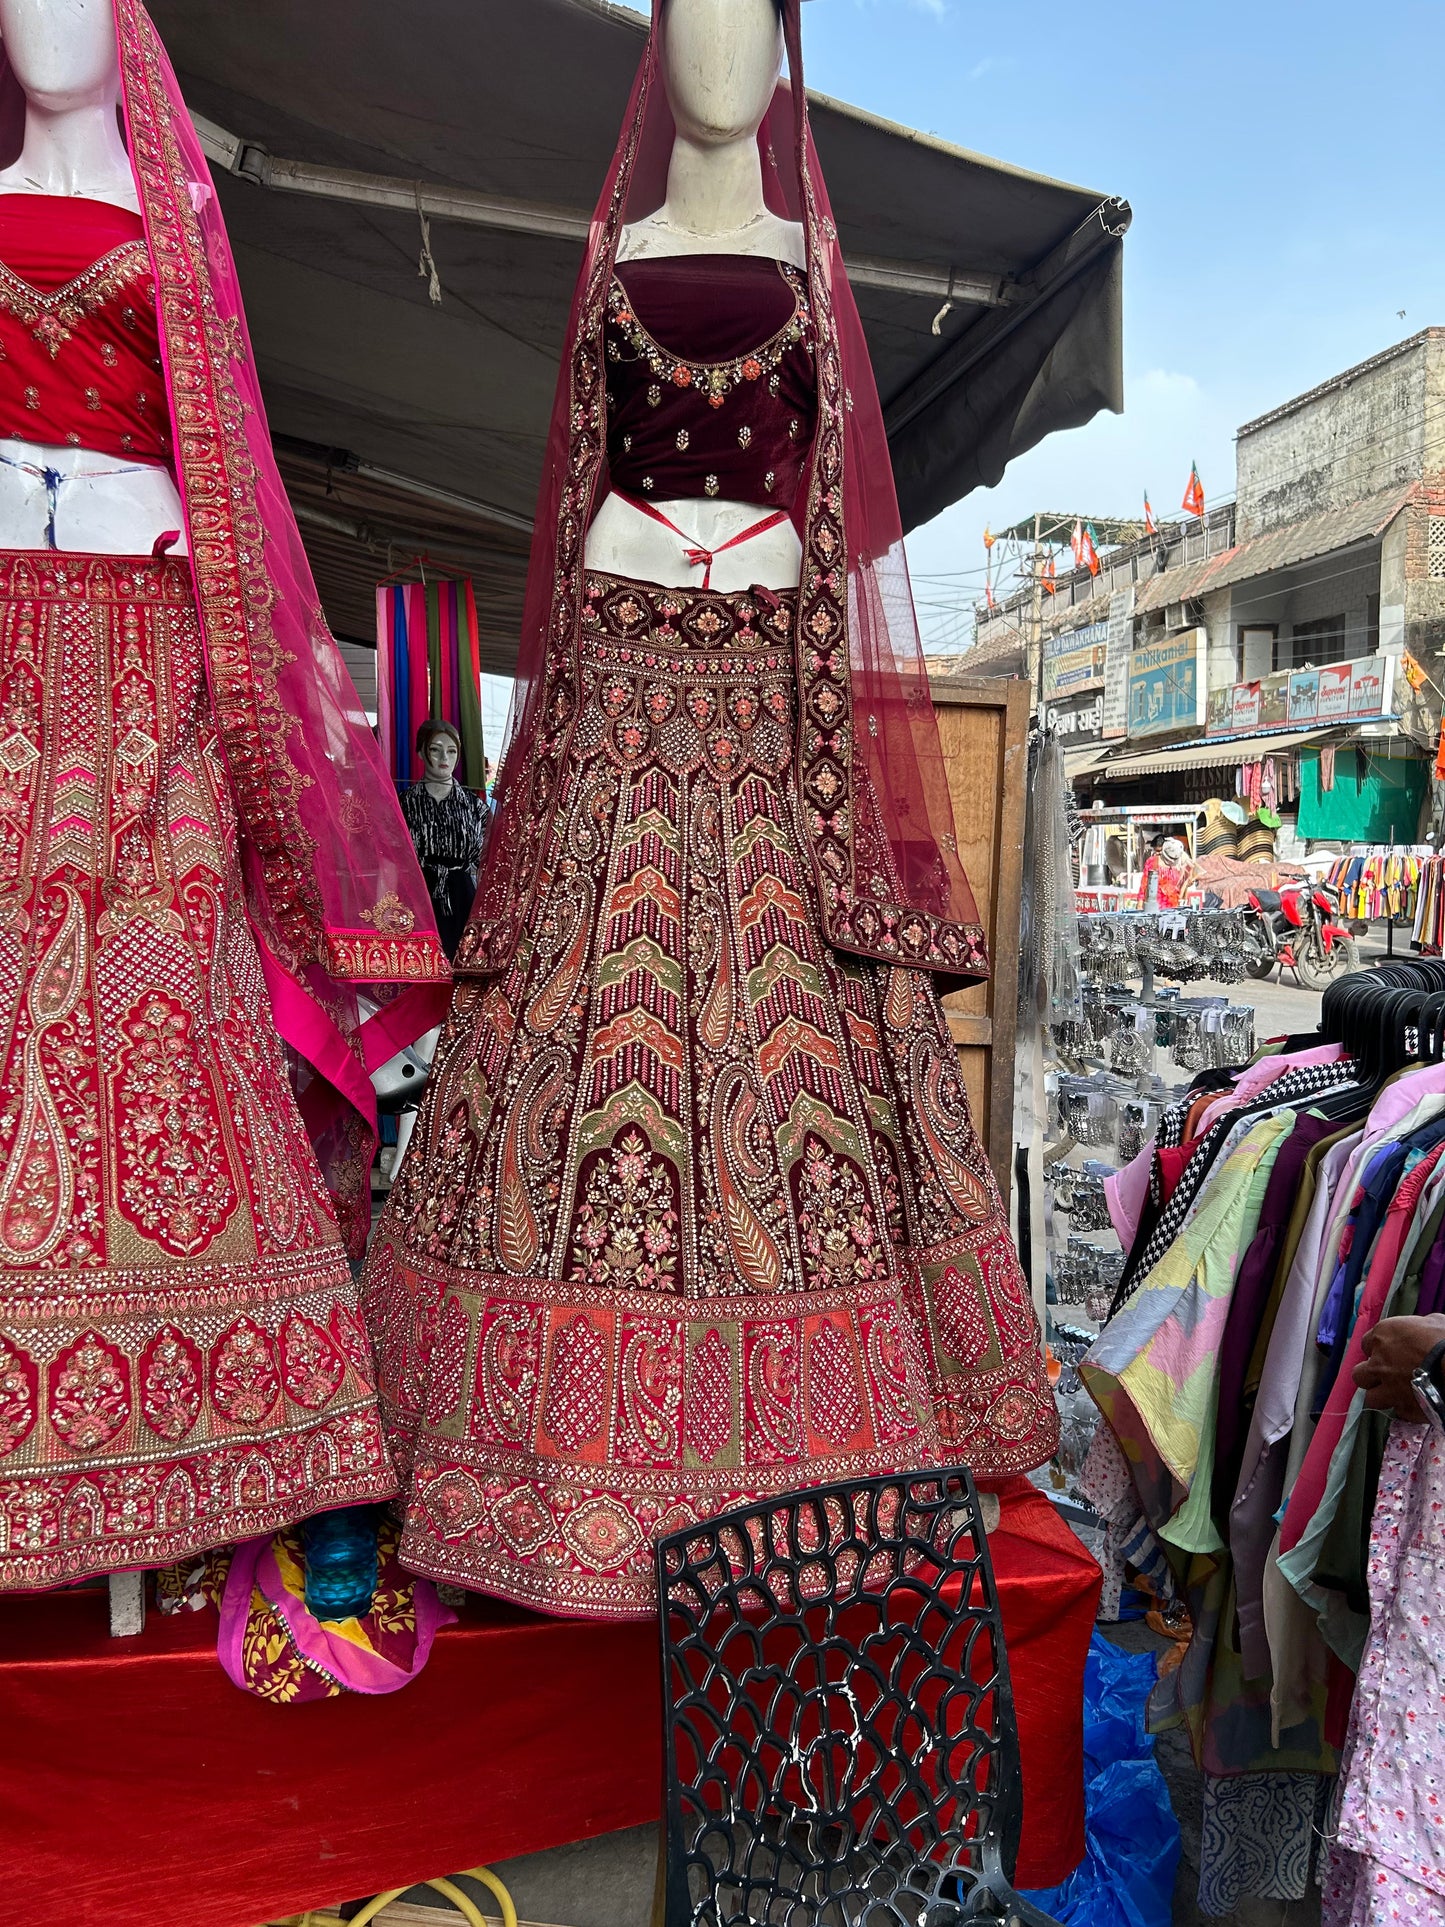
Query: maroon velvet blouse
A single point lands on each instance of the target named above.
(711, 388)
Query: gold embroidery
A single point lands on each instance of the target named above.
(708, 378)
(52, 317)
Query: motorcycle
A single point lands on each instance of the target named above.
(1299, 929)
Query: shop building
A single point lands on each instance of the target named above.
(1274, 631)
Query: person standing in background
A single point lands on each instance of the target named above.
(448, 825)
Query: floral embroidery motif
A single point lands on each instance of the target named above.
(312, 1368)
(244, 1382)
(839, 1237)
(178, 1187)
(17, 1398)
(627, 1230)
(89, 1394)
(170, 1379)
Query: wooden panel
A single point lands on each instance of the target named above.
(983, 727)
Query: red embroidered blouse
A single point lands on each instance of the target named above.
(711, 388)
(79, 348)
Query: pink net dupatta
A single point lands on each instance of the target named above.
(870, 766)
(336, 900)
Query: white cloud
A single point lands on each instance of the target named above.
(991, 64)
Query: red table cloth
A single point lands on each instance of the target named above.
(137, 1785)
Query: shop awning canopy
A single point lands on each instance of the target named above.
(991, 296)
(1205, 755)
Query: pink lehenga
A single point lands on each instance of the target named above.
(694, 1210)
(202, 865)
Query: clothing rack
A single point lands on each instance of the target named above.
(1291, 1207)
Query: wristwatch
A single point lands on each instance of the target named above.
(1426, 1379)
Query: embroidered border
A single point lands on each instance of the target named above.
(832, 788)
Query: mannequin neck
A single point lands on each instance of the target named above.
(74, 151)
(714, 188)
(439, 787)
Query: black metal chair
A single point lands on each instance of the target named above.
(840, 1747)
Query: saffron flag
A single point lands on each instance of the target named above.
(1091, 549)
(1151, 527)
(1046, 576)
(428, 666)
(1194, 494)
(988, 538)
(1076, 543)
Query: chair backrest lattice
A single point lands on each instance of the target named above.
(840, 1745)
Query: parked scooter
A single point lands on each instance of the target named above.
(1299, 929)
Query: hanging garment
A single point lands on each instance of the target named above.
(448, 835)
(1388, 1862)
(1261, 1480)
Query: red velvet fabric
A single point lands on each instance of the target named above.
(137, 1785)
(670, 432)
(81, 357)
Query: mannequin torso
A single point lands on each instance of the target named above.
(63, 496)
(721, 63)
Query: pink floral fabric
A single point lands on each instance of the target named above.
(1388, 1862)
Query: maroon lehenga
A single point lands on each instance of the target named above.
(694, 1210)
(182, 1361)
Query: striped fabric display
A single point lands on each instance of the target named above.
(428, 666)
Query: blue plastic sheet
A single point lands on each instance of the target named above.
(1131, 1837)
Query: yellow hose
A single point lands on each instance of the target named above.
(468, 1908)
(499, 1892)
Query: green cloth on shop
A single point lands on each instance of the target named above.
(1383, 808)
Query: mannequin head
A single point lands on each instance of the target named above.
(438, 746)
(62, 52)
(720, 61)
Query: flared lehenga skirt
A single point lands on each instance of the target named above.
(694, 1210)
(181, 1358)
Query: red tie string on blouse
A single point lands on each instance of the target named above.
(697, 556)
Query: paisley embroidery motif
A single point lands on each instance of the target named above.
(705, 1189)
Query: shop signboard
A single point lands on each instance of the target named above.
(1077, 720)
(1074, 661)
(1302, 698)
(1342, 692)
(1244, 709)
(1166, 686)
(1116, 664)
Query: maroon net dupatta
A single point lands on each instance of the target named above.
(870, 772)
(335, 898)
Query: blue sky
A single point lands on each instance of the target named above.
(1284, 163)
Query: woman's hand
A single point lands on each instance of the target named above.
(1396, 1348)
